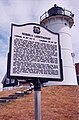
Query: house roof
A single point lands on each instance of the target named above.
(5, 76)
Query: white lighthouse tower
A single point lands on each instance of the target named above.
(60, 21)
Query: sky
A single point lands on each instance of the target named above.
(29, 11)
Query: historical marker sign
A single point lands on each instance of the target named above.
(34, 53)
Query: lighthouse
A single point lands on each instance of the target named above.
(60, 20)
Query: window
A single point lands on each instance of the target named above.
(7, 81)
(12, 81)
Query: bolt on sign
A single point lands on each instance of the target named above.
(34, 53)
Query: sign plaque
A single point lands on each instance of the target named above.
(34, 53)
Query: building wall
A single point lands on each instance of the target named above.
(10, 82)
(77, 71)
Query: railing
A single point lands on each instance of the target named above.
(43, 16)
(65, 12)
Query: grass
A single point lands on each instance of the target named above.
(57, 103)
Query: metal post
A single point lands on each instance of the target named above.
(37, 105)
(37, 89)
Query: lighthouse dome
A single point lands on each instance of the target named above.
(55, 11)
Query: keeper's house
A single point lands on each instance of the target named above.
(14, 82)
(9, 82)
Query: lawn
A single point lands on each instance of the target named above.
(57, 103)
